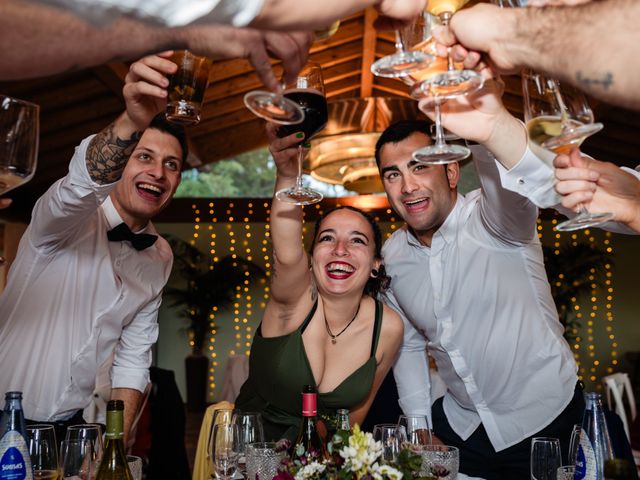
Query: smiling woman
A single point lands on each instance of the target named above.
(295, 344)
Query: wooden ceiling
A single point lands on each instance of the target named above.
(77, 104)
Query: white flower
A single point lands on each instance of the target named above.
(361, 453)
(380, 472)
(310, 471)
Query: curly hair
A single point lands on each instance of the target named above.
(378, 283)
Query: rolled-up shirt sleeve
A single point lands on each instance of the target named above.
(411, 370)
(133, 353)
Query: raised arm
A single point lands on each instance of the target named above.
(591, 46)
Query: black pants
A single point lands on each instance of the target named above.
(478, 458)
(61, 426)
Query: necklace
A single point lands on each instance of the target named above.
(334, 337)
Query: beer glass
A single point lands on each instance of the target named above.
(187, 87)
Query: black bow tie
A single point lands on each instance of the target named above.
(139, 241)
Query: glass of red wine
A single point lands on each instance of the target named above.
(307, 92)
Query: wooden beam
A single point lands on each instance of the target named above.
(113, 77)
(368, 52)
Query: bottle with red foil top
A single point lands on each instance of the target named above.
(309, 443)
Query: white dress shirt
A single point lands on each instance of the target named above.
(480, 300)
(72, 297)
(171, 13)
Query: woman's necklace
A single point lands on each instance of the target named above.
(334, 337)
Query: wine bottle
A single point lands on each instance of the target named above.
(114, 460)
(343, 420)
(594, 449)
(309, 442)
(14, 454)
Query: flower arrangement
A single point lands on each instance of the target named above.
(353, 455)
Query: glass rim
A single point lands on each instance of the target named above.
(40, 426)
(439, 448)
(18, 101)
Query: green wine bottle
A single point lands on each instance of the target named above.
(114, 460)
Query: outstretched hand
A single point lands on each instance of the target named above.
(284, 151)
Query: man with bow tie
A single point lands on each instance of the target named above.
(90, 269)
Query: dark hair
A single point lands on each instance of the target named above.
(397, 132)
(160, 123)
(381, 281)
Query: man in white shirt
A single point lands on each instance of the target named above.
(468, 278)
(83, 285)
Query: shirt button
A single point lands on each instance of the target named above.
(521, 181)
(118, 263)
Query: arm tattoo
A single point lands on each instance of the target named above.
(107, 155)
(588, 83)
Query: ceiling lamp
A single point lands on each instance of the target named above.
(343, 153)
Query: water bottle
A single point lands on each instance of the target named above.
(15, 463)
(595, 445)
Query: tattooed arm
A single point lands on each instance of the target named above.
(592, 46)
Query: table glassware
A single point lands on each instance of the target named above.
(566, 472)
(392, 437)
(91, 432)
(263, 460)
(220, 415)
(308, 92)
(559, 119)
(43, 450)
(76, 460)
(250, 430)
(224, 450)
(440, 461)
(187, 87)
(19, 136)
(135, 466)
(545, 458)
(416, 428)
(574, 443)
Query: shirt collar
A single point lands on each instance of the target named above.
(447, 230)
(114, 219)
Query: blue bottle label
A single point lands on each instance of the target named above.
(15, 463)
(585, 460)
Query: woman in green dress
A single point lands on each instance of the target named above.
(322, 325)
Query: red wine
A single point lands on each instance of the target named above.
(316, 115)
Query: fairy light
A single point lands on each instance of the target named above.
(245, 339)
(213, 327)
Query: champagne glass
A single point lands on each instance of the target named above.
(558, 119)
(417, 429)
(441, 152)
(43, 451)
(76, 460)
(220, 415)
(250, 430)
(545, 458)
(440, 461)
(308, 92)
(403, 62)
(91, 432)
(224, 450)
(19, 134)
(392, 437)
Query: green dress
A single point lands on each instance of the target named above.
(279, 368)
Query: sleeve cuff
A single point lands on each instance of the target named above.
(136, 379)
(532, 177)
(417, 403)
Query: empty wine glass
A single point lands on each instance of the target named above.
(19, 135)
(220, 415)
(392, 437)
(224, 450)
(545, 458)
(416, 428)
(440, 461)
(574, 443)
(250, 430)
(43, 451)
(91, 432)
(308, 92)
(558, 120)
(76, 460)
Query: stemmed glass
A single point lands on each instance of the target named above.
(43, 451)
(545, 458)
(417, 429)
(438, 86)
(403, 62)
(224, 450)
(250, 430)
(559, 119)
(76, 460)
(220, 415)
(308, 92)
(91, 432)
(574, 443)
(19, 134)
(274, 107)
(392, 437)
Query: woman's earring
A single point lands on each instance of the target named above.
(374, 273)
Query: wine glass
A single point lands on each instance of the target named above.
(403, 62)
(220, 415)
(417, 429)
(76, 460)
(545, 458)
(19, 135)
(91, 432)
(308, 92)
(392, 437)
(441, 152)
(250, 430)
(43, 451)
(574, 443)
(274, 107)
(558, 119)
(224, 450)
(440, 461)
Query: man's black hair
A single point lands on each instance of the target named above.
(399, 131)
(160, 123)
